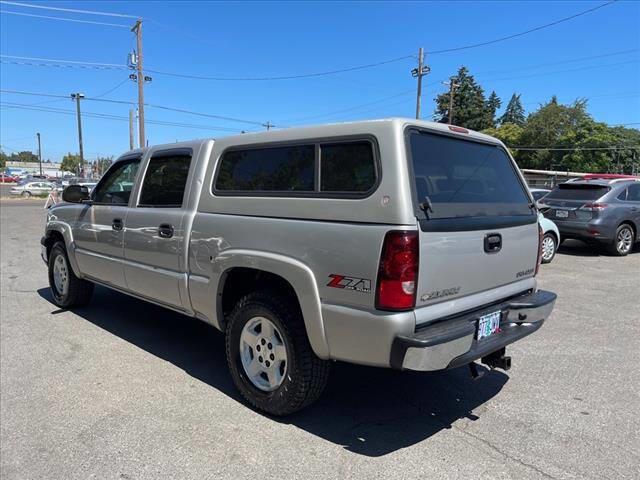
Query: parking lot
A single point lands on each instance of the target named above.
(123, 389)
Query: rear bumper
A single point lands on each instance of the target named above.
(451, 343)
(594, 230)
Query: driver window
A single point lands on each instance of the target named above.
(116, 185)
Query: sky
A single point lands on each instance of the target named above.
(594, 56)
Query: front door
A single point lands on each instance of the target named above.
(154, 238)
(99, 232)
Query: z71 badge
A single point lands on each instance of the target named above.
(350, 283)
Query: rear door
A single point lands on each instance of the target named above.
(478, 227)
(154, 235)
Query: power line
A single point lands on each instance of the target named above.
(282, 77)
(573, 148)
(71, 10)
(75, 20)
(124, 102)
(73, 62)
(112, 89)
(106, 116)
(520, 34)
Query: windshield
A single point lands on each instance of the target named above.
(465, 179)
(577, 191)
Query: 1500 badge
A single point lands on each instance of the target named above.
(350, 283)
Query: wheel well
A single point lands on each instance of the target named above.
(631, 224)
(553, 234)
(51, 239)
(238, 282)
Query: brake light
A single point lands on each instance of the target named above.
(453, 128)
(540, 235)
(398, 271)
(594, 207)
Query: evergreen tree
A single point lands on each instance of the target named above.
(491, 107)
(469, 107)
(514, 113)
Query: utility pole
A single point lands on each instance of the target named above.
(452, 91)
(137, 29)
(268, 125)
(77, 97)
(130, 129)
(418, 73)
(39, 152)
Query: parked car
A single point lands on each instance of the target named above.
(550, 238)
(4, 178)
(597, 210)
(393, 243)
(538, 193)
(32, 188)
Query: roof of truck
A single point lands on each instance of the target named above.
(326, 130)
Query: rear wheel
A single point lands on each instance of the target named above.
(68, 290)
(549, 247)
(26, 193)
(269, 355)
(623, 240)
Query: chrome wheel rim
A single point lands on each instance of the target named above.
(548, 248)
(61, 275)
(263, 354)
(625, 240)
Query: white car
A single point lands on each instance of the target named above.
(550, 239)
(33, 188)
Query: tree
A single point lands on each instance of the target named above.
(102, 164)
(508, 133)
(491, 106)
(514, 113)
(4, 158)
(469, 104)
(70, 163)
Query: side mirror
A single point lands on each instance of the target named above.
(75, 194)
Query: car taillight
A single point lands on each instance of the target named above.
(540, 236)
(594, 207)
(398, 271)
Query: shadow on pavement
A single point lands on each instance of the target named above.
(579, 248)
(369, 411)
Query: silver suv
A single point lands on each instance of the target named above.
(395, 243)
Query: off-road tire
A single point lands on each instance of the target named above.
(306, 374)
(79, 291)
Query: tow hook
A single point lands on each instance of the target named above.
(475, 373)
(497, 359)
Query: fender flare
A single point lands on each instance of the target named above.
(299, 276)
(65, 230)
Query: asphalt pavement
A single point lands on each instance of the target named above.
(125, 390)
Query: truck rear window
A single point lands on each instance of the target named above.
(577, 191)
(463, 178)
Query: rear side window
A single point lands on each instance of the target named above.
(631, 194)
(577, 191)
(347, 167)
(332, 168)
(279, 169)
(165, 180)
(464, 178)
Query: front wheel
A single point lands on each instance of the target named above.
(623, 241)
(269, 355)
(549, 247)
(68, 290)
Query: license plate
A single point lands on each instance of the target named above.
(562, 214)
(488, 325)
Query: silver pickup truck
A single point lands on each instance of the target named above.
(394, 243)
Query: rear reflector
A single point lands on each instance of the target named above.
(398, 271)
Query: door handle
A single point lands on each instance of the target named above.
(492, 242)
(117, 224)
(165, 230)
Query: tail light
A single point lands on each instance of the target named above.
(540, 236)
(594, 207)
(398, 271)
